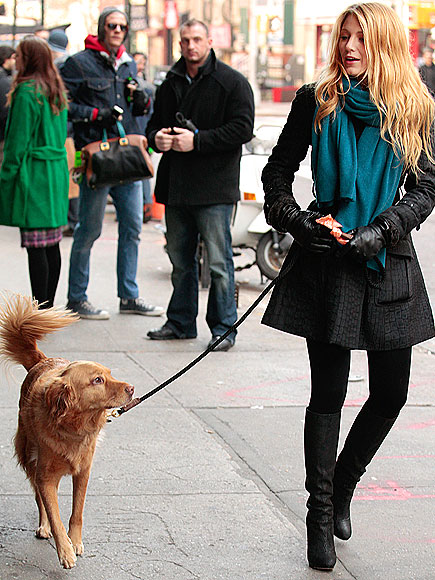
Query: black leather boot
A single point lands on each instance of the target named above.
(320, 442)
(364, 439)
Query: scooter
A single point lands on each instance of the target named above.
(249, 227)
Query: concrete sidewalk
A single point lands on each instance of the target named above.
(205, 480)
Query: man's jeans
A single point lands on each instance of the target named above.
(128, 202)
(184, 224)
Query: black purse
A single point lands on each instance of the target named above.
(116, 161)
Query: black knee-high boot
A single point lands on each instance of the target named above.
(320, 442)
(364, 439)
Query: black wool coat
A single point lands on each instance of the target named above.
(220, 104)
(332, 298)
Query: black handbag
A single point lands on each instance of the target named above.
(118, 160)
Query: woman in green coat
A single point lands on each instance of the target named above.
(34, 174)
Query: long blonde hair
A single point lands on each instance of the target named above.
(405, 106)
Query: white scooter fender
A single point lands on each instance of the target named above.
(259, 225)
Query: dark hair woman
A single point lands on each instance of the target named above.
(369, 123)
(34, 175)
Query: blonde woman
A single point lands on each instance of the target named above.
(368, 121)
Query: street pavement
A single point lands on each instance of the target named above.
(205, 480)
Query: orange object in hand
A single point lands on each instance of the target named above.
(335, 227)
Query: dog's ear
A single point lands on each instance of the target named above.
(60, 398)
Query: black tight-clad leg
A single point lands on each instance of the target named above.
(320, 445)
(44, 270)
(329, 374)
(388, 383)
(331, 485)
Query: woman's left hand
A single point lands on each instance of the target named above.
(366, 242)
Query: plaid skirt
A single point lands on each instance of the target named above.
(41, 238)
(336, 300)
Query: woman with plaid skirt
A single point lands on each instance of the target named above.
(34, 175)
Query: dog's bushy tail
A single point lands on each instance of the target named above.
(22, 325)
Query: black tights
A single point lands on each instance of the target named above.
(44, 271)
(388, 379)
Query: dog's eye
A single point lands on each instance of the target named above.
(98, 381)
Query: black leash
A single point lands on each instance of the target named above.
(118, 412)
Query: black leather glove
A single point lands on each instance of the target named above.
(367, 241)
(306, 231)
(285, 215)
(141, 103)
(105, 117)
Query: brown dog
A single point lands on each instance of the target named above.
(63, 406)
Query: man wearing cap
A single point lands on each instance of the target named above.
(98, 78)
(58, 42)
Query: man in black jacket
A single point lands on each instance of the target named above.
(203, 113)
(97, 79)
(427, 69)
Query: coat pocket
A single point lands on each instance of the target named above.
(95, 91)
(98, 84)
(397, 284)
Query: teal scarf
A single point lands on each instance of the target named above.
(362, 177)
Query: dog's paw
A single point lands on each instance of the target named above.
(79, 548)
(75, 535)
(43, 532)
(67, 557)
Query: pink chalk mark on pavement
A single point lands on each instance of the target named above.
(423, 425)
(391, 492)
(355, 402)
(425, 456)
(239, 393)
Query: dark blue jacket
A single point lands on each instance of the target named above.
(93, 83)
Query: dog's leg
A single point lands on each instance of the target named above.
(27, 457)
(80, 484)
(47, 485)
(44, 529)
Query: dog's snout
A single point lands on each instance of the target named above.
(129, 389)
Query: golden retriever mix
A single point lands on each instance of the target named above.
(63, 406)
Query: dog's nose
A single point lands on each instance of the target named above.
(129, 389)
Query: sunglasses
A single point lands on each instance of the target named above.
(112, 26)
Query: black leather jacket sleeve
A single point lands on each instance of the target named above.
(291, 149)
(417, 203)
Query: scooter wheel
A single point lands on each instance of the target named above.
(269, 259)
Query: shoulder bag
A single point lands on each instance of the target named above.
(117, 160)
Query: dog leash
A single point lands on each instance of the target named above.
(135, 402)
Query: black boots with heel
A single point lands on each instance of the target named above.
(320, 442)
(364, 439)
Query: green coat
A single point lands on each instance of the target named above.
(34, 175)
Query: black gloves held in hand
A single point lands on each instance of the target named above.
(141, 103)
(105, 117)
(367, 241)
(306, 231)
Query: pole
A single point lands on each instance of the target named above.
(253, 50)
(14, 24)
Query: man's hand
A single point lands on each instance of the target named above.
(164, 139)
(182, 140)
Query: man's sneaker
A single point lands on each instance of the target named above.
(138, 306)
(85, 310)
